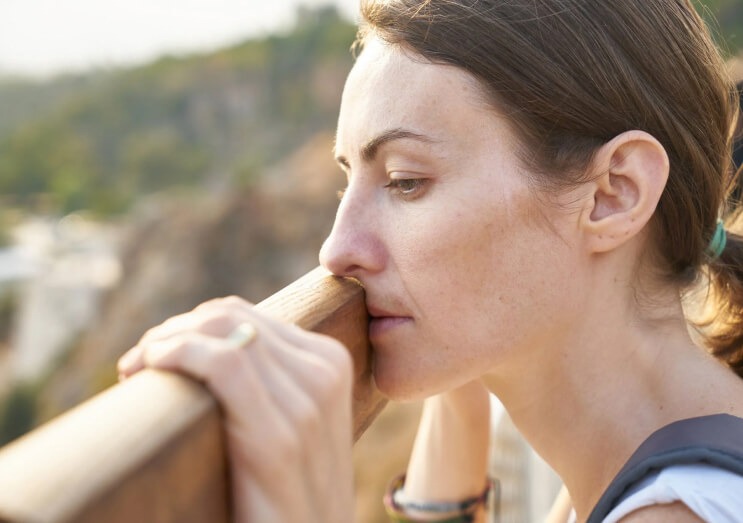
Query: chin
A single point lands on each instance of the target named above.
(397, 384)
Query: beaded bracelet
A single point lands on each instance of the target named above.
(439, 512)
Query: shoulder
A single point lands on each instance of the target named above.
(689, 491)
(671, 512)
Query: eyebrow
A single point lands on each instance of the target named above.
(371, 148)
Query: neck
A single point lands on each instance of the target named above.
(603, 386)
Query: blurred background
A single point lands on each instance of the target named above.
(155, 154)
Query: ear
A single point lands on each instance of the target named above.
(630, 174)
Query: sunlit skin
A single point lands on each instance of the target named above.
(442, 227)
(471, 270)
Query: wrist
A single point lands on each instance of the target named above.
(403, 509)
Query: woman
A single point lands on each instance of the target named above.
(528, 201)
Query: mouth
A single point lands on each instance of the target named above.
(382, 322)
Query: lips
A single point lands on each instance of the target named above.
(378, 312)
(382, 322)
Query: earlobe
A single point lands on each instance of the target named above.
(630, 174)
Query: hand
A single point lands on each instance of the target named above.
(286, 397)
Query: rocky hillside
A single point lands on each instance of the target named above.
(181, 251)
(202, 159)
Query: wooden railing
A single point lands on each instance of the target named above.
(150, 449)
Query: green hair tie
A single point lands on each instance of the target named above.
(718, 242)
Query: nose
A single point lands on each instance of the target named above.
(354, 246)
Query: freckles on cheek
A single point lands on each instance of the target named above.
(481, 260)
(464, 254)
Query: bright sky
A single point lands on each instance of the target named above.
(41, 37)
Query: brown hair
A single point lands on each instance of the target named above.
(573, 74)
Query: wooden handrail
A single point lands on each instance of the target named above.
(150, 449)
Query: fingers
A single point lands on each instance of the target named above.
(205, 319)
(285, 393)
(219, 318)
(215, 317)
(130, 363)
(314, 396)
(207, 345)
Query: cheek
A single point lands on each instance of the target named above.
(463, 252)
(478, 277)
(483, 272)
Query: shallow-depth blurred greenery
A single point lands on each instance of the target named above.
(100, 140)
(208, 123)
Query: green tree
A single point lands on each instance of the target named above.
(179, 121)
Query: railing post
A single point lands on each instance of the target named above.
(150, 449)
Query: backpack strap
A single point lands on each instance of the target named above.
(715, 440)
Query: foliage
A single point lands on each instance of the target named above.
(102, 140)
(22, 100)
(199, 121)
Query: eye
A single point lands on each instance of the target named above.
(408, 188)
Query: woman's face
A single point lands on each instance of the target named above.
(464, 265)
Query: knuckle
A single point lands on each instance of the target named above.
(231, 301)
(330, 382)
(340, 357)
(216, 321)
(151, 332)
(335, 352)
(201, 307)
(345, 361)
(308, 418)
(218, 303)
(333, 373)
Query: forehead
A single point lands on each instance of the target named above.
(391, 87)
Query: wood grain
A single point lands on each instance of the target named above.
(151, 449)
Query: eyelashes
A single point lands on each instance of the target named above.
(404, 188)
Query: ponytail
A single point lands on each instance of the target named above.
(725, 271)
(724, 324)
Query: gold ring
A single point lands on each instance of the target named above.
(242, 335)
